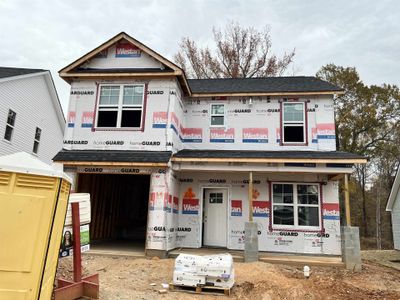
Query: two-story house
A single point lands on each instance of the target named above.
(31, 117)
(167, 160)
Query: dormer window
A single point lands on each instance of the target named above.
(120, 106)
(294, 123)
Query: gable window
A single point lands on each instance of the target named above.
(295, 205)
(217, 116)
(120, 106)
(10, 125)
(293, 123)
(36, 141)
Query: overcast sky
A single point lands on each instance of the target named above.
(52, 34)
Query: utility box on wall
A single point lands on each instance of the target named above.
(33, 203)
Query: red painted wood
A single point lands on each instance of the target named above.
(76, 232)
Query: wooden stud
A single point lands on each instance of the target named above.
(251, 196)
(347, 199)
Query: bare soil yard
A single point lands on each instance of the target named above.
(130, 278)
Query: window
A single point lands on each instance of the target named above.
(295, 205)
(36, 141)
(293, 123)
(216, 197)
(217, 115)
(10, 125)
(120, 106)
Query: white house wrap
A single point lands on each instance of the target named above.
(167, 159)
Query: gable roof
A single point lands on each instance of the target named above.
(11, 73)
(394, 191)
(262, 86)
(72, 70)
(6, 72)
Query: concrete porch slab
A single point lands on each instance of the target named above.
(276, 258)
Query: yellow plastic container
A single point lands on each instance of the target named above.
(33, 203)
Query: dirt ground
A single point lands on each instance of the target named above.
(130, 278)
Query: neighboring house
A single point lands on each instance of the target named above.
(393, 206)
(31, 118)
(167, 160)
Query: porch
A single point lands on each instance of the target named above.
(268, 257)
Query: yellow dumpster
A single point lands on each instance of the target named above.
(33, 204)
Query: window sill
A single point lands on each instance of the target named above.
(294, 144)
(117, 129)
(7, 141)
(297, 229)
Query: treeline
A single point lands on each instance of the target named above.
(368, 123)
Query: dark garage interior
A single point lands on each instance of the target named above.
(119, 207)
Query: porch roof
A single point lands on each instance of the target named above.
(268, 156)
(113, 157)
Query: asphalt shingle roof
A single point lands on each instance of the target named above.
(265, 154)
(261, 85)
(11, 72)
(113, 156)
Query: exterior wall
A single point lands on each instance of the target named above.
(31, 100)
(157, 135)
(174, 124)
(396, 222)
(124, 58)
(257, 126)
(190, 224)
(163, 211)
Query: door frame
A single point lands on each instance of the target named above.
(228, 195)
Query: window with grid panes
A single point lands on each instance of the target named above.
(120, 106)
(295, 205)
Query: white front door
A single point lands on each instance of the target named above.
(215, 217)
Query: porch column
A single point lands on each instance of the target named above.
(347, 199)
(251, 196)
(250, 230)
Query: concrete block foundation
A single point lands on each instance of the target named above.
(351, 253)
(250, 242)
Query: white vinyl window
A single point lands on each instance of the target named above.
(36, 141)
(293, 123)
(120, 106)
(10, 125)
(217, 115)
(295, 205)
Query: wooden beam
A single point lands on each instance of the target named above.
(335, 177)
(113, 75)
(273, 160)
(197, 95)
(116, 164)
(347, 199)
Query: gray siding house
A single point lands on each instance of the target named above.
(393, 206)
(31, 117)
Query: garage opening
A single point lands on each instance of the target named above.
(119, 208)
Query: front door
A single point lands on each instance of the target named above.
(215, 217)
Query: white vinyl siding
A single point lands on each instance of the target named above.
(31, 100)
(396, 222)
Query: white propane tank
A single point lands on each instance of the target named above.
(84, 208)
(306, 271)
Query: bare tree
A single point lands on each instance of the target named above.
(239, 52)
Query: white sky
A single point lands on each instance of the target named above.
(51, 34)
